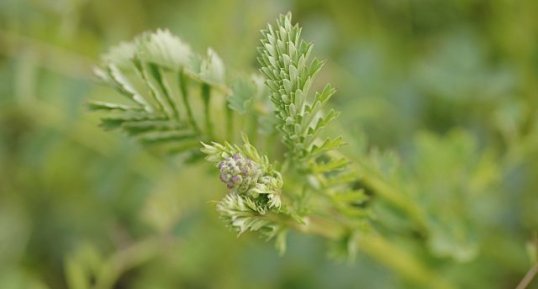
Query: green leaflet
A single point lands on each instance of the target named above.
(454, 194)
(246, 91)
(168, 90)
(285, 60)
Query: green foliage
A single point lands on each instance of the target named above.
(167, 87)
(246, 91)
(434, 187)
(453, 194)
(316, 189)
(313, 171)
(285, 61)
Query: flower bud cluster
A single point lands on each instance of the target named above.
(239, 173)
(245, 177)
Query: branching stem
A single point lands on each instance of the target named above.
(392, 195)
(384, 252)
(526, 281)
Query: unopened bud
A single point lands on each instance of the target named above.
(239, 173)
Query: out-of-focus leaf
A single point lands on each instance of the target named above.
(445, 169)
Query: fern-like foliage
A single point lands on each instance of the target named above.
(174, 99)
(168, 92)
(285, 61)
(315, 180)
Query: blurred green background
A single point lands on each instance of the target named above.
(408, 73)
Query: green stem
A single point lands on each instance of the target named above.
(183, 84)
(206, 97)
(526, 281)
(127, 259)
(253, 128)
(394, 257)
(385, 190)
(143, 73)
(229, 122)
(167, 90)
(401, 262)
(392, 195)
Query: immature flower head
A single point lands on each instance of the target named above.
(239, 173)
(254, 186)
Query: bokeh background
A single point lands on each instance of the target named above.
(413, 76)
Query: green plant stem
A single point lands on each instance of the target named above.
(384, 189)
(401, 262)
(167, 90)
(374, 245)
(253, 129)
(143, 73)
(229, 122)
(392, 195)
(185, 95)
(526, 281)
(206, 97)
(126, 259)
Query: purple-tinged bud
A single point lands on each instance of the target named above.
(239, 173)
